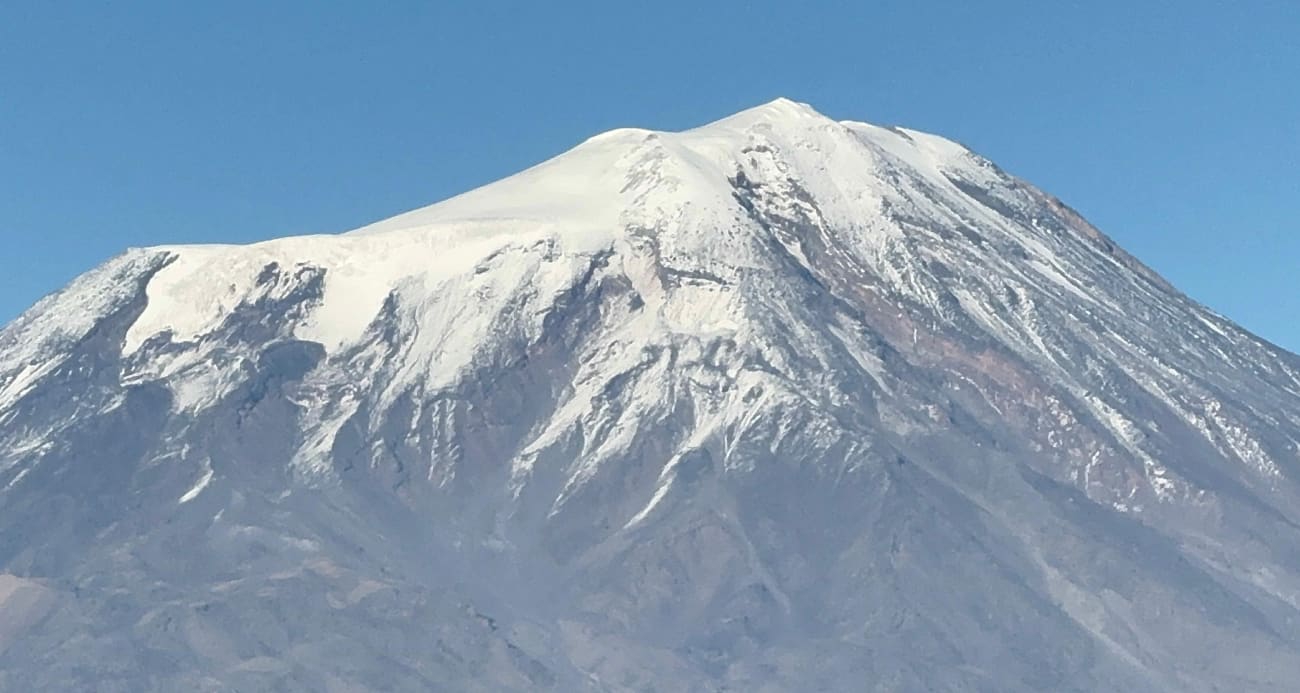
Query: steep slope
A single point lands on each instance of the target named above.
(778, 403)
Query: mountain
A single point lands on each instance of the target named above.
(779, 403)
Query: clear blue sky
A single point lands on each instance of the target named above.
(1172, 125)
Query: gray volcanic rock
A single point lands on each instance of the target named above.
(779, 403)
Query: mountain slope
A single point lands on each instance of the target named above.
(778, 403)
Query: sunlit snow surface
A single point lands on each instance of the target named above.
(776, 403)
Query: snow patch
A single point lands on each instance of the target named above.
(198, 487)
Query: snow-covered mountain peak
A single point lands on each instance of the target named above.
(779, 114)
(677, 187)
(755, 191)
(591, 185)
(774, 403)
